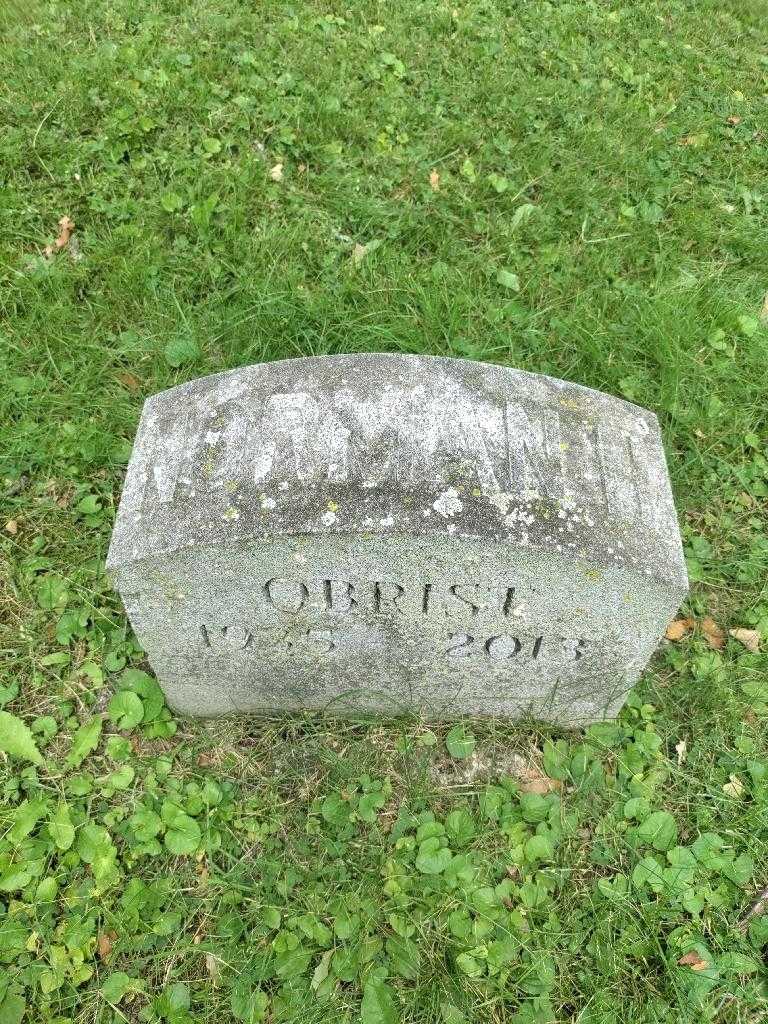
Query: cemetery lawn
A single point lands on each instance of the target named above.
(572, 188)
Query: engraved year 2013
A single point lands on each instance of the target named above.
(503, 647)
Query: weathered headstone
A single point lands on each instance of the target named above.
(397, 533)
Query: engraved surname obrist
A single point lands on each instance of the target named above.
(404, 437)
(480, 620)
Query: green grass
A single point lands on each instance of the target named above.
(601, 215)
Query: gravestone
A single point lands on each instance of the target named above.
(397, 533)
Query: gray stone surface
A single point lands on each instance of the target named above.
(397, 533)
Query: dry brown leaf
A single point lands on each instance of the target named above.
(539, 786)
(694, 961)
(533, 780)
(676, 630)
(764, 309)
(749, 637)
(734, 788)
(434, 181)
(132, 383)
(681, 750)
(12, 527)
(66, 227)
(104, 944)
(276, 174)
(734, 119)
(713, 634)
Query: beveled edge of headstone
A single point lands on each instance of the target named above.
(600, 538)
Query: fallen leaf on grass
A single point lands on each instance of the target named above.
(132, 383)
(359, 252)
(434, 181)
(508, 280)
(276, 174)
(676, 630)
(12, 527)
(74, 249)
(681, 749)
(694, 961)
(749, 637)
(540, 786)
(533, 780)
(758, 908)
(213, 968)
(713, 634)
(695, 139)
(66, 227)
(734, 788)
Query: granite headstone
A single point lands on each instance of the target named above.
(397, 533)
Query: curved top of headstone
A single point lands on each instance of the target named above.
(391, 444)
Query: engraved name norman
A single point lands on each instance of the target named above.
(403, 439)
